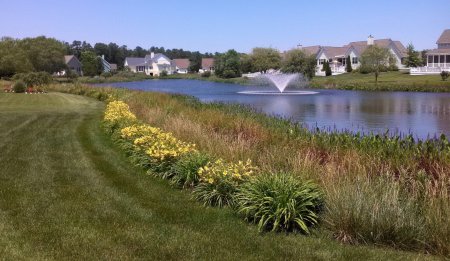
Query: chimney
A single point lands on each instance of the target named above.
(103, 56)
(152, 54)
(370, 40)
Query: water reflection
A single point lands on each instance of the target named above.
(422, 114)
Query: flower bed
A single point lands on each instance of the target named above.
(215, 182)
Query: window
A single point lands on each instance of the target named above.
(354, 60)
(442, 58)
(430, 59)
(447, 58)
(321, 61)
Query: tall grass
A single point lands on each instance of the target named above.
(379, 189)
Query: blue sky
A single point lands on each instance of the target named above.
(221, 25)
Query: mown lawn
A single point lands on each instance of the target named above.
(389, 81)
(67, 193)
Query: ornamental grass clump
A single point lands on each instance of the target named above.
(184, 172)
(280, 203)
(220, 181)
(118, 116)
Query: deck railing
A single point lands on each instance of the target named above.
(429, 70)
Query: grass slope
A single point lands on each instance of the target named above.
(66, 193)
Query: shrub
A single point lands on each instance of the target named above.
(34, 78)
(220, 181)
(118, 115)
(280, 203)
(229, 74)
(206, 74)
(19, 87)
(444, 75)
(184, 172)
(164, 73)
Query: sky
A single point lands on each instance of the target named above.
(210, 26)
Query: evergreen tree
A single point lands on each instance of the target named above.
(349, 64)
(413, 58)
(327, 68)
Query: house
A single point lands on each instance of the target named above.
(107, 67)
(152, 64)
(438, 60)
(337, 56)
(207, 65)
(182, 65)
(73, 64)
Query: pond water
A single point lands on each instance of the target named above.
(425, 115)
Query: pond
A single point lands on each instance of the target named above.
(425, 115)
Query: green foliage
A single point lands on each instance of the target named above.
(227, 65)
(444, 75)
(280, 202)
(246, 63)
(184, 172)
(163, 73)
(195, 62)
(297, 61)
(19, 87)
(92, 64)
(30, 54)
(348, 64)
(263, 59)
(413, 59)
(326, 67)
(34, 78)
(220, 195)
(376, 59)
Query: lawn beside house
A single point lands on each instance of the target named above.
(389, 81)
(67, 193)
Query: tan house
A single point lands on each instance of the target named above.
(337, 56)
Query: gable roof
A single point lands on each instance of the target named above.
(445, 37)
(71, 59)
(182, 63)
(361, 46)
(207, 63)
(332, 52)
(156, 57)
(134, 61)
(311, 50)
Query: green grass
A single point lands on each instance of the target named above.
(389, 81)
(67, 193)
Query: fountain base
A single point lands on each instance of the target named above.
(278, 93)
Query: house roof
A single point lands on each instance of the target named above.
(207, 63)
(439, 51)
(72, 59)
(156, 57)
(361, 46)
(445, 37)
(67, 58)
(182, 63)
(134, 61)
(311, 50)
(332, 52)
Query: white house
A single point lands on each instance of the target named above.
(337, 56)
(152, 64)
(182, 65)
(438, 60)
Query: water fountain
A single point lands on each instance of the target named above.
(281, 81)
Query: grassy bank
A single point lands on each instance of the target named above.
(380, 190)
(390, 81)
(66, 193)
